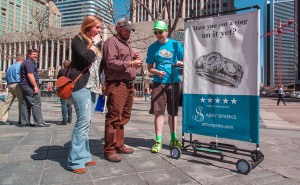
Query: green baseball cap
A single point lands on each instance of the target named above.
(160, 25)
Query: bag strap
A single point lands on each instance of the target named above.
(81, 73)
(67, 70)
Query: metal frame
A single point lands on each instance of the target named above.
(216, 148)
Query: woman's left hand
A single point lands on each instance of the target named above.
(179, 63)
(100, 89)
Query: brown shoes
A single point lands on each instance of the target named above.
(83, 170)
(79, 171)
(91, 163)
(113, 157)
(125, 150)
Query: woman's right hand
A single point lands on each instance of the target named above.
(97, 39)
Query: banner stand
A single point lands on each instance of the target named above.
(214, 149)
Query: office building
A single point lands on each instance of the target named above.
(189, 8)
(73, 11)
(279, 13)
(297, 5)
(24, 16)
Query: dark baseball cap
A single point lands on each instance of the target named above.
(126, 24)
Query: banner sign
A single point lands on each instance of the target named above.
(221, 77)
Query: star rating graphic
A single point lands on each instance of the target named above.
(225, 101)
(218, 100)
(233, 101)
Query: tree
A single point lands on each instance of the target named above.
(161, 9)
(45, 27)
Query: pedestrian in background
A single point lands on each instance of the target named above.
(280, 95)
(162, 54)
(30, 88)
(66, 105)
(84, 54)
(147, 93)
(120, 63)
(14, 90)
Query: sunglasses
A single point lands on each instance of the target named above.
(158, 32)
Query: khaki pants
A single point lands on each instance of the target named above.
(14, 90)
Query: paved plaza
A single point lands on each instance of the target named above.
(31, 156)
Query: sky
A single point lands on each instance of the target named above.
(121, 8)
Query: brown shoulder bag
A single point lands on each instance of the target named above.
(64, 85)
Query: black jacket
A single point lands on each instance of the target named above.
(81, 58)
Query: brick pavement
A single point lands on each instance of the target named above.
(38, 155)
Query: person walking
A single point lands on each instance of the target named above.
(14, 90)
(30, 90)
(85, 52)
(120, 63)
(280, 95)
(162, 54)
(66, 105)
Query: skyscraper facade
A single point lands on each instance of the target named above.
(297, 5)
(73, 11)
(22, 16)
(279, 67)
(189, 8)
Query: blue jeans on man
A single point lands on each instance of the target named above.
(66, 110)
(84, 103)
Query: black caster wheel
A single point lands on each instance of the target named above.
(243, 166)
(175, 152)
(256, 155)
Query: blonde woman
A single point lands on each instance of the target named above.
(85, 53)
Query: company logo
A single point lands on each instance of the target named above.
(199, 117)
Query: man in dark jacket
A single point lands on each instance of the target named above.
(66, 105)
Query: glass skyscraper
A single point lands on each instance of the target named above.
(279, 12)
(189, 8)
(23, 16)
(73, 11)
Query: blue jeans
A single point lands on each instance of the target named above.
(79, 154)
(94, 101)
(66, 109)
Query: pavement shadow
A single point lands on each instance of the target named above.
(52, 122)
(205, 158)
(140, 142)
(59, 153)
(17, 124)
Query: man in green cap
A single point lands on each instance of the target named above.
(162, 54)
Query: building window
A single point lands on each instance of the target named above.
(3, 9)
